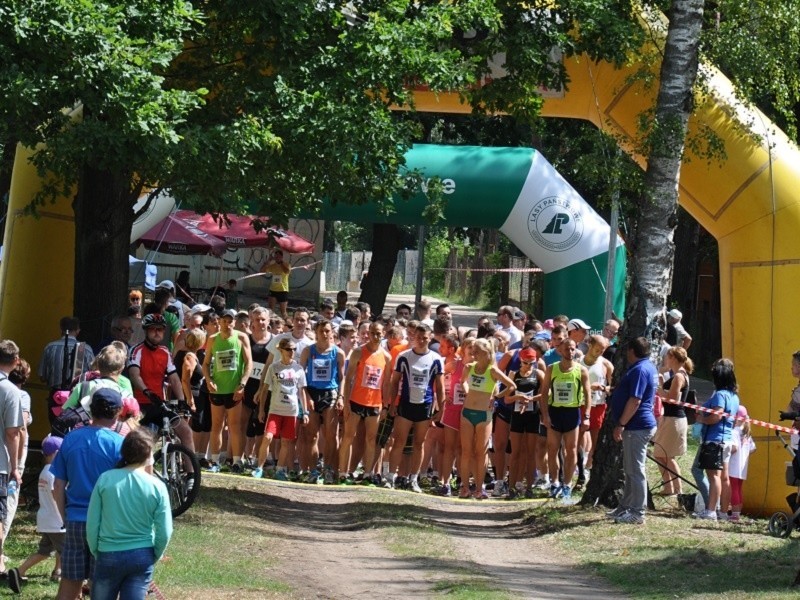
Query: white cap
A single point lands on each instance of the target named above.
(577, 324)
(167, 284)
(198, 309)
(675, 314)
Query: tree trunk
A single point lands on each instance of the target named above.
(103, 219)
(651, 248)
(376, 283)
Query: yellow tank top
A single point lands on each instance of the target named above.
(565, 388)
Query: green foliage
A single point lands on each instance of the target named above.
(108, 61)
(437, 249)
(757, 44)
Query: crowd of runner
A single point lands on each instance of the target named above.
(403, 399)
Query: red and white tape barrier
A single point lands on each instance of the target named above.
(722, 413)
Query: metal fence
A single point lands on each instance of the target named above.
(344, 270)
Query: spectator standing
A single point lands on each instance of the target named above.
(129, 523)
(56, 365)
(48, 522)
(11, 424)
(684, 340)
(632, 410)
(86, 453)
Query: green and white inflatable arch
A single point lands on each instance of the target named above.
(517, 191)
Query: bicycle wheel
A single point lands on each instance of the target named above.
(182, 486)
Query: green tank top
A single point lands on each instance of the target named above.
(565, 388)
(227, 363)
(481, 381)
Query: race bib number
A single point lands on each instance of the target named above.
(371, 378)
(476, 381)
(258, 368)
(418, 384)
(321, 370)
(226, 360)
(458, 395)
(518, 406)
(563, 393)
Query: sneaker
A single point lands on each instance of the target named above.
(401, 483)
(565, 492)
(236, 469)
(708, 515)
(446, 490)
(554, 491)
(328, 479)
(55, 575)
(541, 484)
(415, 486)
(500, 489)
(722, 516)
(214, 468)
(204, 464)
(387, 484)
(15, 580)
(617, 512)
(258, 473)
(313, 476)
(630, 518)
(281, 476)
(529, 495)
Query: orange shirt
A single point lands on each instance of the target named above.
(370, 370)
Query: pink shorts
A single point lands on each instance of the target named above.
(282, 427)
(451, 417)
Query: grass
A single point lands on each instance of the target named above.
(214, 553)
(673, 556)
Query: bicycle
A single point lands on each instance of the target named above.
(170, 464)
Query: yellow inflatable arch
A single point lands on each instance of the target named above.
(749, 202)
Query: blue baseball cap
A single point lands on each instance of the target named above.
(51, 444)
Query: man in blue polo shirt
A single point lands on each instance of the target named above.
(86, 453)
(632, 411)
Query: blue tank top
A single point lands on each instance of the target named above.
(322, 370)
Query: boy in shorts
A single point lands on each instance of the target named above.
(48, 522)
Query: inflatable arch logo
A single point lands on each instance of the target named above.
(556, 224)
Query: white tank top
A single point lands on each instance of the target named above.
(597, 374)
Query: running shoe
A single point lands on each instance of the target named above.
(630, 518)
(236, 469)
(445, 490)
(500, 488)
(613, 514)
(313, 476)
(565, 492)
(328, 479)
(415, 486)
(387, 484)
(15, 580)
(542, 483)
(258, 473)
(204, 462)
(214, 468)
(708, 515)
(281, 476)
(554, 491)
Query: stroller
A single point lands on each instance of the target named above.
(781, 523)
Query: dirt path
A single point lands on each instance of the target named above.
(332, 547)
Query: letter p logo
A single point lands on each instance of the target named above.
(556, 223)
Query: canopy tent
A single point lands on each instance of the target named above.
(241, 234)
(175, 235)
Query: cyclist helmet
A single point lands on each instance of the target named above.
(153, 320)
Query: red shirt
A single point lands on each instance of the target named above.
(155, 364)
